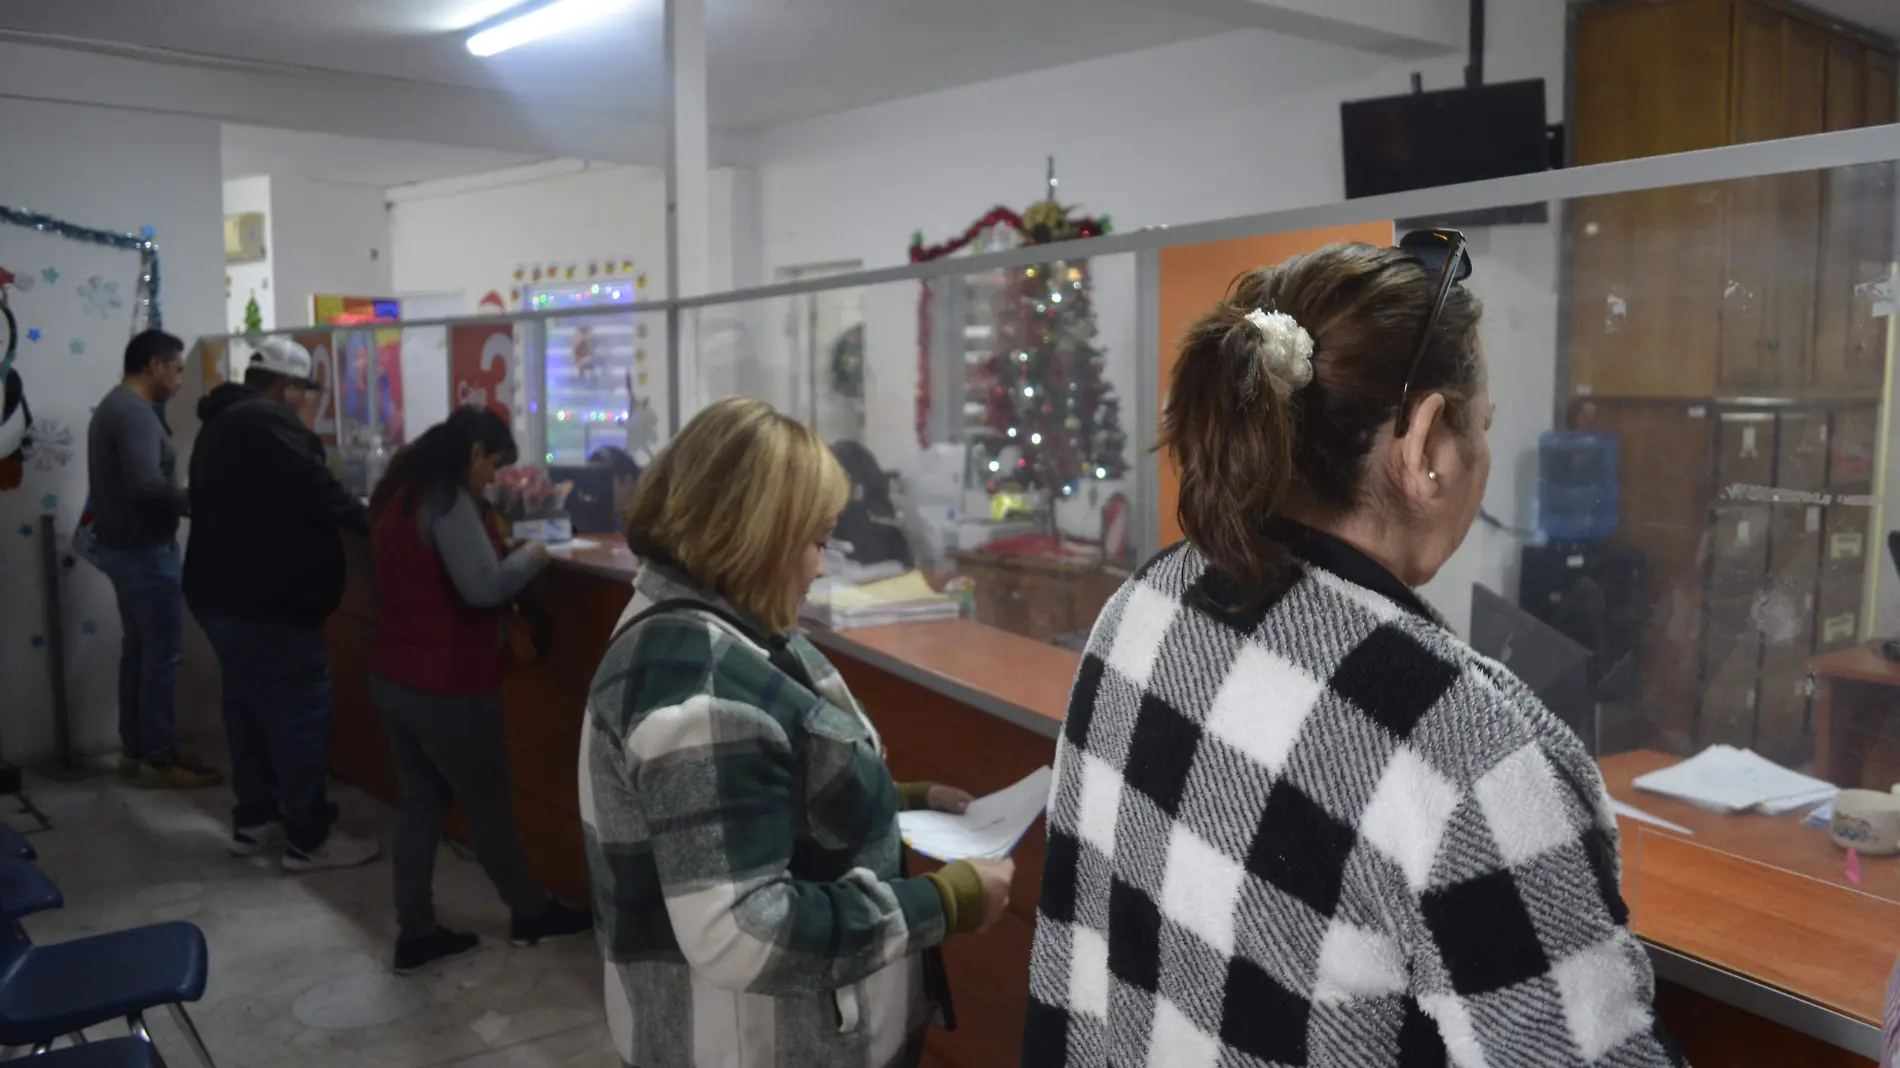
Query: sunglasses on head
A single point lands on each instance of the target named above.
(1443, 253)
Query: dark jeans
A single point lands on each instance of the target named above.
(151, 612)
(277, 723)
(451, 746)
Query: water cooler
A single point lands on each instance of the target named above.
(1575, 581)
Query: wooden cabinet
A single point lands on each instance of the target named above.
(1038, 597)
(1736, 322)
(1751, 288)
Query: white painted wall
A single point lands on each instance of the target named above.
(250, 279)
(118, 170)
(331, 238)
(468, 236)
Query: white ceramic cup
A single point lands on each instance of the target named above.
(1868, 822)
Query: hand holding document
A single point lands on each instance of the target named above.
(989, 829)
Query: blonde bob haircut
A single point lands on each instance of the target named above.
(734, 500)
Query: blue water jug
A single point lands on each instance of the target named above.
(1577, 485)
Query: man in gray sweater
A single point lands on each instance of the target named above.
(132, 470)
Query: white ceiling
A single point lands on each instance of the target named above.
(768, 60)
(1880, 16)
(250, 150)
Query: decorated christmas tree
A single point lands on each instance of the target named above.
(1052, 414)
(253, 316)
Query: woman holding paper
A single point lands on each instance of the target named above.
(1297, 820)
(741, 825)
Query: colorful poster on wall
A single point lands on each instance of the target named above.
(319, 404)
(481, 365)
(327, 310)
(369, 364)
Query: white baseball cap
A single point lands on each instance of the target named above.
(281, 355)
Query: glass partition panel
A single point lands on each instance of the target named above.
(1683, 547)
(985, 421)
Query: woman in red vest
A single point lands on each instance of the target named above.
(446, 581)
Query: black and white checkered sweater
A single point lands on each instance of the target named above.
(1324, 833)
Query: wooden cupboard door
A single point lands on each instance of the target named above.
(1856, 228)
(1783, 725)
(1731, 670)
(1847, 94)
(1748, 294)
(1756, 74)
(1738, 549)
(1646, 290)
(1804, 78)
(1839, 624)
(1845, 543)
(1801, 451)
(1795, 535)
(1754, 205)
(1629, 56)
(1841, 210)
(1780, 90)
(1853, 446)
(1745, 455)
(1665, 456)
(1883, 89)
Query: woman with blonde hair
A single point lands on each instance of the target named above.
(741, 826)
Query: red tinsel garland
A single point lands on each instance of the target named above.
(919, 253)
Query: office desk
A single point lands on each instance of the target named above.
(1857, 718)
(1763, 898)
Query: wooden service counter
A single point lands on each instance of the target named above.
(1760, 941)
(956, 703)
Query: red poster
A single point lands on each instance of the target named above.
(481, 357)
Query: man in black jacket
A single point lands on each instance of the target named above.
(264, 569)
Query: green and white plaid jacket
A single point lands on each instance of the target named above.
(742, 841)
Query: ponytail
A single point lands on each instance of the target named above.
(1282, 389)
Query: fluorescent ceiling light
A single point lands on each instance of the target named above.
(558, 17)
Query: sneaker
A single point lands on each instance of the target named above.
(439, 944)
(339, 850)
(174, 777)
(556, 921)
(250, 841)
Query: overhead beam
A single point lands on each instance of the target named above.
(1410, 29)
(349, 105)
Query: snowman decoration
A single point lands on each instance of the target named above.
(16, 418)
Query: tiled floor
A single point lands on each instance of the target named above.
(300, 964)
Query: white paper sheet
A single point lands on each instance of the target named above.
(1723, 778)
(991, 828)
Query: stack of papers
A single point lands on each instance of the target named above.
(990, 829)
(1723, 778)
(907, 598)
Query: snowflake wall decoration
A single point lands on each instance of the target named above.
(102, 297)
(51, 446)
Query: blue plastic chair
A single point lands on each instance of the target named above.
(24, 890)
(111, 1053)
(49, 991)
(14, 844)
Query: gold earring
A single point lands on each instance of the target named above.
(1433, 475)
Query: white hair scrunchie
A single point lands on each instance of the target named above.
(1286, 352)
